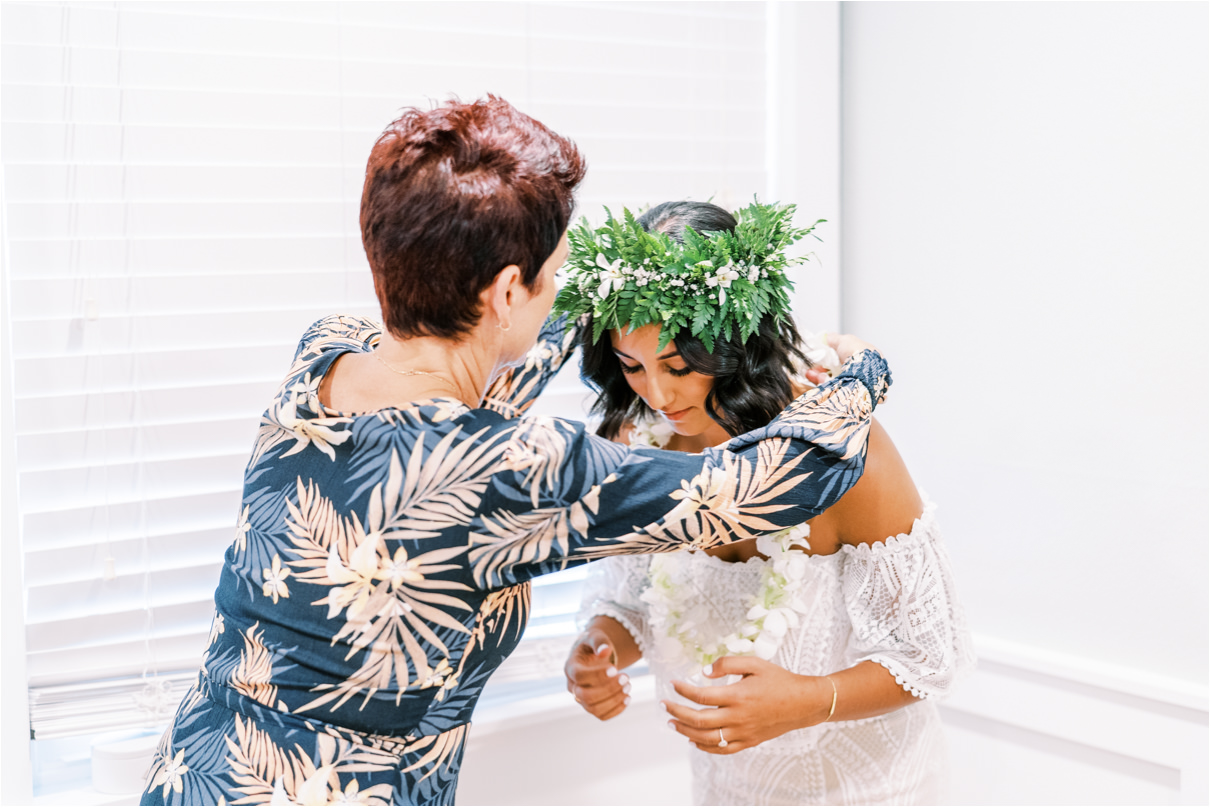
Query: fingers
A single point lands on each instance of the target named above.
(846, 345)
(709, 696)
(611, 705)
(597, 694)
(587, 666)
(703, 729)
(598, 686)
(816, 376)
(690, 717)
(735, 666)
(593, 681)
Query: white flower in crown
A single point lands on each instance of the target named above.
(612, 278)
(726, 275)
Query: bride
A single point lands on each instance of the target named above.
(804, 664)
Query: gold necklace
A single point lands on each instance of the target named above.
(410, 372)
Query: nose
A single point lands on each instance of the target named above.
(657, 397)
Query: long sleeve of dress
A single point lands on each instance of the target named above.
(513, 392)
(613, 589)
(902, 605)
(566, 496)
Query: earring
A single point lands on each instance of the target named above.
(503, 327)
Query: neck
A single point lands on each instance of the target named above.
(693, 444)
(459, 368)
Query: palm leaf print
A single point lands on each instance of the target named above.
(390, 601)
(539, 449)
(721, 501)
(257, 764)
(253, 677)
(441, 748)
(525, 538)
(266, 773)
(437, 491)
(505, 606)
(831, 418)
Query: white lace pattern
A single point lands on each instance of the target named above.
(893, 603)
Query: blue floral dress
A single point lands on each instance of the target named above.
(381, 565)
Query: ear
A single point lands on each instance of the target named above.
(503, 294)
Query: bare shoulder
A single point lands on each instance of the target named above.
(885, 502)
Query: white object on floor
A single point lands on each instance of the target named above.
(120, 760)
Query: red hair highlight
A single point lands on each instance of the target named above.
(452, 196)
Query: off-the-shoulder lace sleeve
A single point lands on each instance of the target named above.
(901, 600)
(563, 496)
(513, 392)
(613, 589)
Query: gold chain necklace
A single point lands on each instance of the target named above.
(410, 372)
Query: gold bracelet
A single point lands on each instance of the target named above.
(832, 709)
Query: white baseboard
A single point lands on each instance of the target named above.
(1032, 726)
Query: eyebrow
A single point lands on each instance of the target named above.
(669, 355)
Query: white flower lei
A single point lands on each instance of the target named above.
(683, 624)
(654, 433)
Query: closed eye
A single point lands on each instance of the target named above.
(680, 371)
(629, 369)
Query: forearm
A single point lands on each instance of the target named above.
(624, 645)
(864, 691)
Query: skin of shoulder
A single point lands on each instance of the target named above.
(883, 503)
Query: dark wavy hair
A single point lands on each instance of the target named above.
(752, 379)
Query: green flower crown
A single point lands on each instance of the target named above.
(714, 284)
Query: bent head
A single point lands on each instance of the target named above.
(740, 386)
(453, 197)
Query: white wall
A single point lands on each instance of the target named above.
(1025, 235)
(1025, 201)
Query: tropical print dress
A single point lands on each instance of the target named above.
(381, 564)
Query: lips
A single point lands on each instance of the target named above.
(676, 416)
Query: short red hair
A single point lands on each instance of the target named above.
(452, 196)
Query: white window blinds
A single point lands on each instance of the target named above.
(181, 184)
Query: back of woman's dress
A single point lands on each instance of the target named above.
(380, 568)
(893, 603)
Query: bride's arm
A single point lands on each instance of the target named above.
(615, 619)
(909, 642)
(771, 701)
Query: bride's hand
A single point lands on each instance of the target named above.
(769, 701)
(593, 680)
(846, 345)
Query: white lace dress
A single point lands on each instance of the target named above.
(893, 603)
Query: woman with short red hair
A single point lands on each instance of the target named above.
(396, 504)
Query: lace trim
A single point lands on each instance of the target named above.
(904, 679)
(920, 532)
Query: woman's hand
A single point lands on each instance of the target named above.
(846, 345)
(769, 701)
(593, 679)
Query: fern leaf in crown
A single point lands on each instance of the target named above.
(715, 284)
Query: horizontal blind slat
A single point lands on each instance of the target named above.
(163, 256)
(108, 605)
(182, 189)
(133, 517)
(183, 549)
